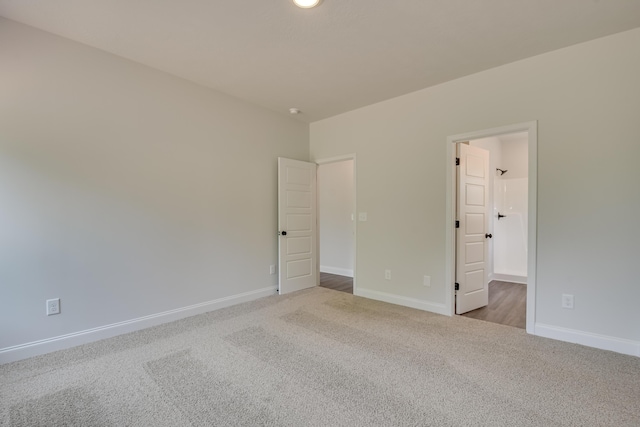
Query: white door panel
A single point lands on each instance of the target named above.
(471, 236)
(296, 225)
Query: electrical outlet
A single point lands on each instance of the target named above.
(53, 306)
(387, 274)
(427, 281)
(567, 301)
(272, 269)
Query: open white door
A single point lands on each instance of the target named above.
(472, 248)
(297, 225)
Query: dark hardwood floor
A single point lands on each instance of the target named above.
(507, 305)
(337, 283)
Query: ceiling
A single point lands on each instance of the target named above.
(337, 57)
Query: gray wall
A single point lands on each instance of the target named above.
(335, 207)
(586, 100)
(127, 192)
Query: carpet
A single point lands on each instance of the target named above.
(323, 358)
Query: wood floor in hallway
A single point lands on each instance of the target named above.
(507, 305)
(337, 283)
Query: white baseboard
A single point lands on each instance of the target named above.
(603, 342)
(510, 278)
(400, 300)
(35, 348)
(336, 270)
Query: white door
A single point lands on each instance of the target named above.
(297, 225)
(472, 248)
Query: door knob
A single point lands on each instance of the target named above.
(488, 236)
(283, 233)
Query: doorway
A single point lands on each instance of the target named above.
(506, 227)
(509, 134)
(336, 223)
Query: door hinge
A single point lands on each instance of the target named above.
(457, 161)
(457, 288)
(457, 224)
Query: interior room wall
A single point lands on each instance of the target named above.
(127, 192)
(511, 230)
(511, 200)
(514, 156)
(585, 99)
(335, 210)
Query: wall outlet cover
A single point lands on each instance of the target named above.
(567, 301)
(53, 306)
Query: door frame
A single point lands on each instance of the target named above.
(325, 161)
(450, 256)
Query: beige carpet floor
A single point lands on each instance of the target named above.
(323, 358)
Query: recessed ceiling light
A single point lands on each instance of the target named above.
(306, 4)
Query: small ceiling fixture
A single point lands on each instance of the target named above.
(294, 110)
(306, 4)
